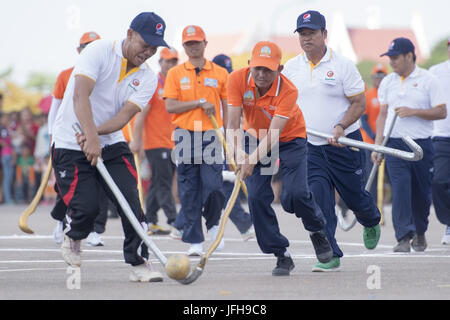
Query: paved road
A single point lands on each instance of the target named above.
(31, 267)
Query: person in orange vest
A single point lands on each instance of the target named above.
(240, 218)
(152, 132)
(369, 118)
(193, 91)
(274, 127)
(59, 210)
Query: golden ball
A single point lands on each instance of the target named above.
(178, 266)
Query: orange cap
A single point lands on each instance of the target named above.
(266, 54)
(379, 68)
(193, 33)
(168, 53)
(89, 37)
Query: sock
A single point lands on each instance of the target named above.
(284, 254)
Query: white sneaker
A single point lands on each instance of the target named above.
(71, 251)
(94, 240)
(229, 176)
(144, 273)
(446, 237)
(58, 232)
(176, 234)
(214, 231)
(250, 233)
(196, 249)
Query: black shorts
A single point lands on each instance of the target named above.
(80, 185)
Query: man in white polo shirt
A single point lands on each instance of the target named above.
(441, 142)
(109, 85)
(415, 95)
(331, 97)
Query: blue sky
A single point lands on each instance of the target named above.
(42, 35)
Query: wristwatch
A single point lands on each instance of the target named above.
(201, 102)
(340, 125)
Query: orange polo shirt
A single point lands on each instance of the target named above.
(127, 130)
(372, 111)
(184, 84)
(61, 83)
(280, 100)
(158, 127)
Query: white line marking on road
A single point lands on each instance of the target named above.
(32, 269)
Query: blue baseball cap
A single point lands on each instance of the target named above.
(150, 27)
(312, 20)
(224, 61)
(399, 46)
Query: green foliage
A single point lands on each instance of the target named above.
(5, 73)
(41, 81)
(438, 54)
(364, 68)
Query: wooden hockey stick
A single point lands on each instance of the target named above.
(23, 220)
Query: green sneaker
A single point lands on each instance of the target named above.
(333, 265)
(371, 236)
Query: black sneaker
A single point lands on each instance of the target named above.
(419, 243)
(403, 245)
(324, 252)
(284, 266)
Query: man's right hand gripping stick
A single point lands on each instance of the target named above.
(130, 215)
(225, 147)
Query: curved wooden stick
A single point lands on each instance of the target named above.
(201, 265)
(225, 147)
(23, 220)
(226, 215)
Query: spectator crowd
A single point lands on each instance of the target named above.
(24, 145)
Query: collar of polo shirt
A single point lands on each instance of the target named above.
(190, 66)
(414, 74)
(274, 89)
(327, 57)
(118, 50)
